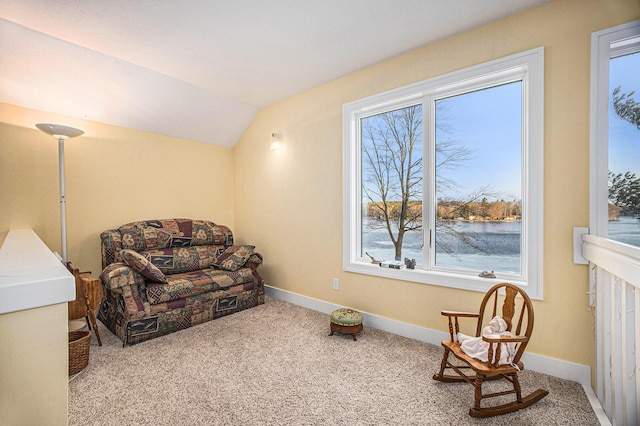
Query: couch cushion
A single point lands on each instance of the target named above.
(234, 257)
(179, 286)
(141, 264)
(176, 260)
(153, 234)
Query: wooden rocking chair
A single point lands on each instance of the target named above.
(518, 314)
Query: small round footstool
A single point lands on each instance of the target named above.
(346, 321)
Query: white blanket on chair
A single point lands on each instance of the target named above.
(477, 348)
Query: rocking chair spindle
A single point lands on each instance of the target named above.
(515, 300)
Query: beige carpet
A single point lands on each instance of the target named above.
(276, 365)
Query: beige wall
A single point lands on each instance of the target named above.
(113, 176)
(289, 203)
(298, 192)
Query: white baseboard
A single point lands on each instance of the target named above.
(597, 407)
(542, 364)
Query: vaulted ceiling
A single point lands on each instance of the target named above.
(202, 69)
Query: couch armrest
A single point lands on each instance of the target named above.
(135, 302)
(254, 261)
(111, 244)
(118, 275)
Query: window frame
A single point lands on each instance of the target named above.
(605, 45)
(527, 66)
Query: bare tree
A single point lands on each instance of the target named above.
(392, 151)
(392, 172)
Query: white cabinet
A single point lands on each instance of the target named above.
(34, 290)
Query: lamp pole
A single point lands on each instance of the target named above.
(63, 201)
(61, 133)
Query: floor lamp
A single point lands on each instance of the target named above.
(61, 133)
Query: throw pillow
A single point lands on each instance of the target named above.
(142, 265)
(234, 257)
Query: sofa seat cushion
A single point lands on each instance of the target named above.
(187, 284)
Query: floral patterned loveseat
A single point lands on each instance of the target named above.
(160, 276)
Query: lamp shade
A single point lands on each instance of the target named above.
(59, 131)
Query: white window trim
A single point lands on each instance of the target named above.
(530, 66)
(605, 44)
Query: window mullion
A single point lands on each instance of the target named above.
(428, 189)
(527, 218)
(356, 215)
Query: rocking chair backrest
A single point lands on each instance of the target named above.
(516, 310)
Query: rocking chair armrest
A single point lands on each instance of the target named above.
(504, 339)
(453, 316)
(459, 314)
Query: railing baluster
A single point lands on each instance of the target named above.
(616, 272)
(600, 349)
(612, 346)
(623, 348)
(605, 321)
(636, 372)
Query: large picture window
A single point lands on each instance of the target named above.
(443, 178)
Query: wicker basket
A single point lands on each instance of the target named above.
(78, 350)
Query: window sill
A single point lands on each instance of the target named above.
(438, 278)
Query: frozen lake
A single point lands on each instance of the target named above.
(490, 246)
(625, 230)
